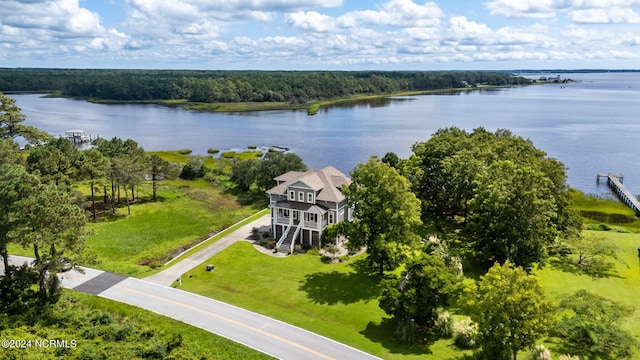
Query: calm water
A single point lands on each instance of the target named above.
(591, 126)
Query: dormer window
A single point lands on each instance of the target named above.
(292, 195)
(300, 196)
(310, 198)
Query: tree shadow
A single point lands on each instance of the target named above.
(382, 333)
(339, 287)
(595, 269)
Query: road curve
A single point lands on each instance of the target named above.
(256, 331)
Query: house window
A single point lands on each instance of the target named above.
(310, 198)
(286, 212)
(330, 218)
(300, 196)
(311, 217)
(292, 195)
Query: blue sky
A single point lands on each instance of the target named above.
(320, 34)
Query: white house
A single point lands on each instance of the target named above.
(303, 204)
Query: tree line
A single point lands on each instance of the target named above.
(296, 87)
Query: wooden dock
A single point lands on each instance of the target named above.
(615, 183)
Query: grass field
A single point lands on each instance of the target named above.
(621, 283)
(186, 213)
(340, 300)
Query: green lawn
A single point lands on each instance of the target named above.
(621, 283)
(339, 301)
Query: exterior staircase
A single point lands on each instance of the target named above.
(286, 243)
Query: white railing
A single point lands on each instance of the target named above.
(284, 236)
(293, 240)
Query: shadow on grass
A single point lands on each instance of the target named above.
(339, 287)
(595, 269)
(382, 333)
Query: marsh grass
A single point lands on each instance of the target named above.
(596, 210)
(187, 212)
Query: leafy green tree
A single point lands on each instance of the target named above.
(53, 227)
(274, 164)
(10, 152)
(94, 167)
(426, 285)
(11, 120)
(193, 169)
(592, 250)
(131, 156)
(244, 173)
(15, 184)
(430, 182)
(128, 173)
(511, 311)
(54, 164)
(588, 325)
(386, 213)
(479, 182)
(160, 169)
(391, 158)
(512, 214)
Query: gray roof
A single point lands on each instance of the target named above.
(327, 183)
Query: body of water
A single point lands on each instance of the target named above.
(592, 125)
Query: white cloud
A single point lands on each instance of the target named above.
(605, 16)
(398, 13)
(597, 11)
(51, 29)
(62, 16)
(311, 21)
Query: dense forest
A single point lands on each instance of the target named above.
(295, 87)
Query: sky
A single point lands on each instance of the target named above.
(321, 34)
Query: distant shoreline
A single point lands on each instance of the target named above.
(235, 107)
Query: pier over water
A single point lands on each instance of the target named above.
(615, 183)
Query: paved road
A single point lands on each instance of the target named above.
(259, 332)
(181, 266)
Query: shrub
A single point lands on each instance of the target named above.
(252, 147)
(568, 357)
(315, 251)
(465, 334)
(540, 352)
(620, 219)
(213, 151)
(185, 151)
(444, 325)
(406, 332)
